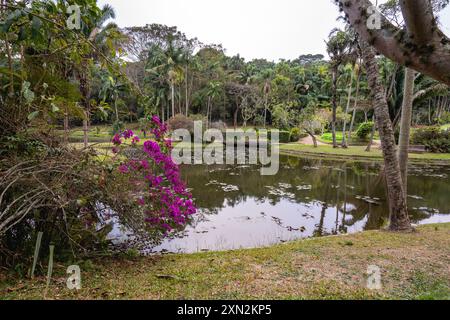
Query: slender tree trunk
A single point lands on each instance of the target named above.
(372, 134)
(207, 112)
(85, 130)
(236, 114)
(314, 139)
(405, 126)
(210, 113)
(84, 90)
(399, 219)
(355, 105)
(334, 101)
(66, 125)
(173, 98)
(187, 93)
(265, 109)
(344, 130)
(429, 112)
(117, 110)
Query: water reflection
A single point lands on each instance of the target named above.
(239, 208)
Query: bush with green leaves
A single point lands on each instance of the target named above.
(285, 137)
(364, 129)
(296, 135)
(433, 138)
(180, 121)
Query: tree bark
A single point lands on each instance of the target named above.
(187, 92)
(399, 219)
(66, 125)
(334, 103)
(372, 135)
(350, 88)
(173, 99)
(405, 126)
(266, 99)
(355, 105)
(314, 139)
(426, 51)
(84, 90)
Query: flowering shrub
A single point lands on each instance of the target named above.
(155, 179)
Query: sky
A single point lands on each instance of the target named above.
(270, 29)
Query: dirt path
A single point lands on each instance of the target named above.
(309, 141)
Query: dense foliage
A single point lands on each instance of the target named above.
(433, 138)
(54, 78)
(364, 129)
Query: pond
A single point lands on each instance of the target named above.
(239, 208)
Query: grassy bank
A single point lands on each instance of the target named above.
(414, 266)
(355, 153)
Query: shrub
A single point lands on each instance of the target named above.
(445, 118)
(117, 127)
(180, 121)
(364, 129)
(296, 135)
(433, 138)
(219, 125)
(285, 136)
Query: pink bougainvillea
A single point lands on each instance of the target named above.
(159, 189)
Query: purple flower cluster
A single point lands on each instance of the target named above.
(159, 129)
(166, 202)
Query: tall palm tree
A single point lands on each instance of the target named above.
(167, 63)
(214, 91)
(339, 48)
(92, 28)
(267, 76)
(405, 126)
(399, 219)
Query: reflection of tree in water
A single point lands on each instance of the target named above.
(364, 179)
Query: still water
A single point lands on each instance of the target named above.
(239, 208)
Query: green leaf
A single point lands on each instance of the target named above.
(27, 93)
(54, 108)
(36, 26)
(33, 115)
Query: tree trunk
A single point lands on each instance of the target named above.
(334, 101)
(429, 112)
(265, 109)
(372, 134)
(313, 137)
(84, 90)
(355, 105)
(173, 99)
(236, 114)
(187, 93)
(66, 126)
(425, 50)
(405, 126)
(207, 112)
(116, 110)
(399, 219)
(344, 140)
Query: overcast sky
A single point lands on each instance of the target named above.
(270, 29)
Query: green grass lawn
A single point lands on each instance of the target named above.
(328, 138)
(353, 152)
(413, 266)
